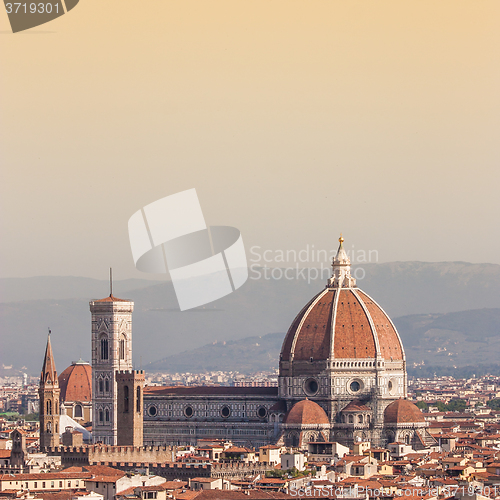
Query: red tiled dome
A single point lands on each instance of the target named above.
(345, 322)
(306, 412)
(76, 382)
(402, 411)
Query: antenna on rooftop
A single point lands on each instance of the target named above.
(110, 281)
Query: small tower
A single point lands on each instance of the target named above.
(111, 352)
(49, 401)
(130, 384)
(19, 453)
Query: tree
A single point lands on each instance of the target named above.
(494, 404)
(457, 405)
(422, 405)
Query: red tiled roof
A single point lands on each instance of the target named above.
(237, 449)
(46, 475)
(97, 471)
(306, 412)
(387, 335)
(208, 390)
(310, 334)
(111, 298)
(356, 406)
(76, 383)
(403, 411)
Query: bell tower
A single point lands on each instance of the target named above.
(49, 401)
(111, 352)
(130, 407)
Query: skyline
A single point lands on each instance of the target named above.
(293, 122)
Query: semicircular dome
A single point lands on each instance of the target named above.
(76, 382)
(403, 411)
(306, 412)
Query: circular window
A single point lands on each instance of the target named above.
(311, 387)
(226, 411)
(188, 411)
(262, 412)
(152, 411)
(392, 387)
(355, 386)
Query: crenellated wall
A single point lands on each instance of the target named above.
(110, 455)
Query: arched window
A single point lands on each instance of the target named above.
(138, 400)
(107, 384)
(101, 385)
(49, 407)
(360, 419)
(125, 398)
(56, 428)
(351, 419)
(77, 411)
(49, 427)
(101, 416)
(407, 439)
(122, 348)
(104, 348)
(106, 415)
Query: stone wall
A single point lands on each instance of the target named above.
(114, 455)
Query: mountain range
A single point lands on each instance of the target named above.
(418, 296)
(441, 343)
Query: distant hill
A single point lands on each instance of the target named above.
(247, 355)
(443, 343)
(467, 341)
(256, 309)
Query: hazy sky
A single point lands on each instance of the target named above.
(294, 120)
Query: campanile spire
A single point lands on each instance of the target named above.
(49, 366)
(49, 400)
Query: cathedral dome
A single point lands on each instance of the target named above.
(402, 411)
(341, 322)
(76, 382)
(306, 412)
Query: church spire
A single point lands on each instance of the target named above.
(49, 393)
(49, 372)
(341, 269)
